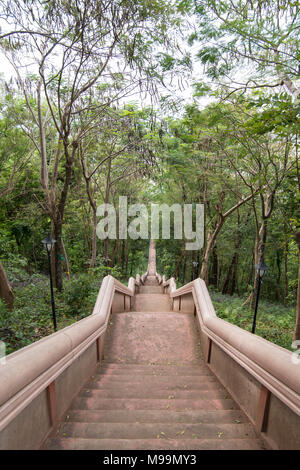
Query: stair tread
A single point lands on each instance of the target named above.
(151, 394)
(152, 444)
(153, 403)
(156, 416)
(170, 386)
(204, 372)
(156, 430)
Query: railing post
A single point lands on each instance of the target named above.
(127, 305)
(99, 349)
(208, 350)
(51, 396)
(263, 409)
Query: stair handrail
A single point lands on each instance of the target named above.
(30, 370)
(269, 363)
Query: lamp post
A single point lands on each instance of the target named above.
(261, 270)
(48, 244)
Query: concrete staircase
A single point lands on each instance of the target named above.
(153, 390)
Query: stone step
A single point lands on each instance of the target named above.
(176, 404)
(153, 444)
(151, 290)
(151, 303)
(152, 338)
(150, 393)
(190, 382)
(155, 383)
(177, 367)
(155, 431)
(156, 416)
(170, 371)
(151, 281)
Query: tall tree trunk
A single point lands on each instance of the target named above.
(107, 192)
(260, 244)
(278, 264)
(285, 268)
(67, 260)
(297, 324)
(215, 267)
(94, 238)
(6, 292)
(178, 263)
(119, 252)
(235, 282)
(59, 214)
(183, 269)
(112, 256)
(259, 252)
(93, 206)
(188, 266)
(126, 257)
(226, 285)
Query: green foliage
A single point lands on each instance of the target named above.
(80, 295)
(31, 317)
(274, 321)
(245, 140)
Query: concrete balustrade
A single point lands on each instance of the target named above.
(39, 382)
(261, 376)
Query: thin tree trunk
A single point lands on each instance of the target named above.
(260, 244)
(179, 260)
(285, 268)
(58, 221)
(226, 285)
(278, 264)
(235, 283)
(183, 270)
(297, 324)
(107, 191)
(6, 292)
(126, 257)
(215, 267)
(67, 260)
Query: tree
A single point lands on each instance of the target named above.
(70, 63)
(6, 292)
(260, 36)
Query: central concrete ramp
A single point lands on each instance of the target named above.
(153, 390)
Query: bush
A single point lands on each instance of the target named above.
(31, 318)
(80, 294)
(274, 321)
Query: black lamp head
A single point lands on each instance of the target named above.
(261, 268)
(48, 243)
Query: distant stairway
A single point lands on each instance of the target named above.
(153, 390)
